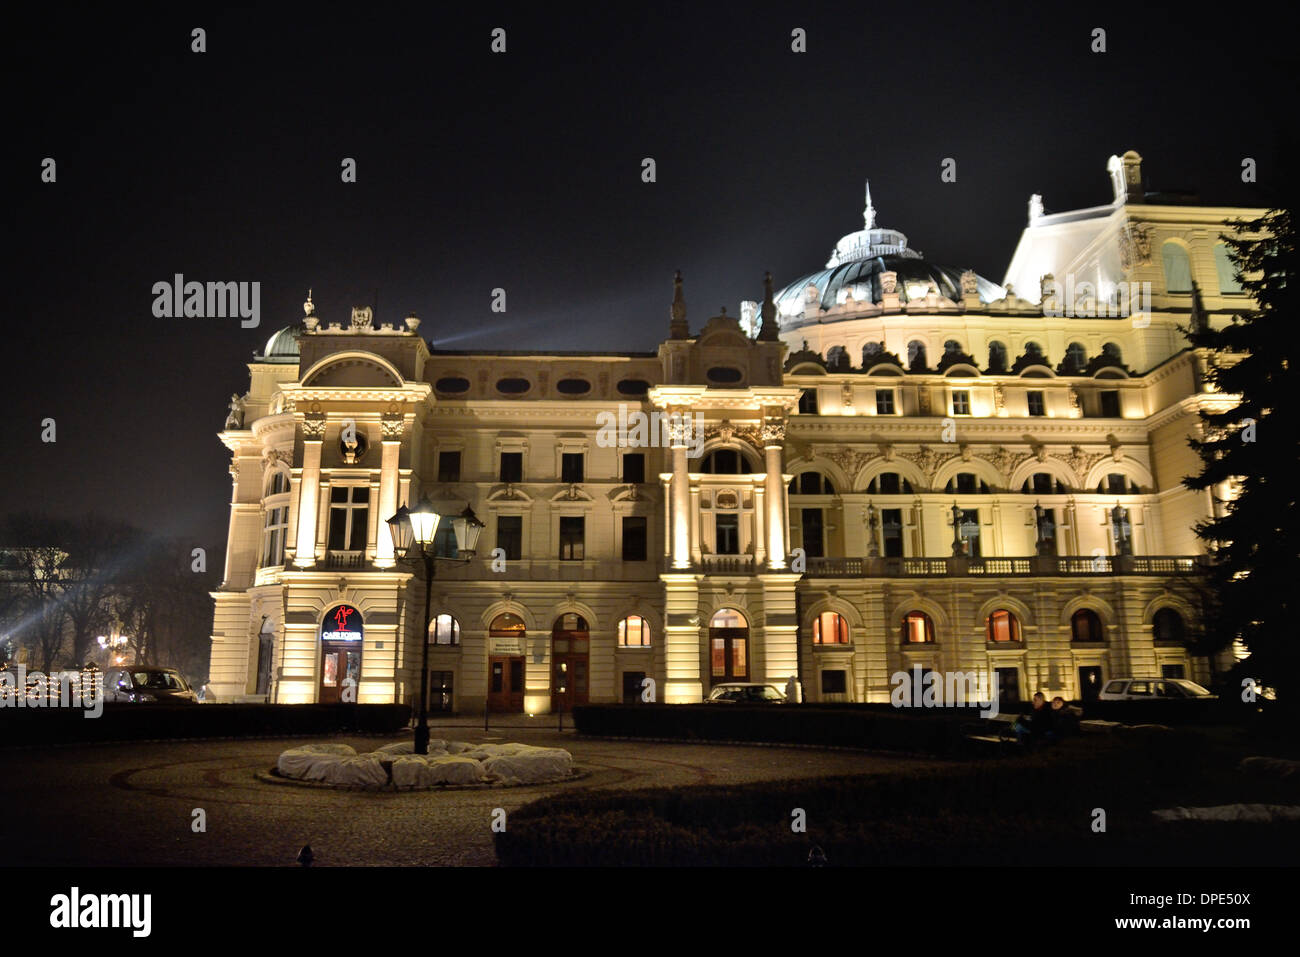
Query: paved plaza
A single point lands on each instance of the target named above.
(132, 804)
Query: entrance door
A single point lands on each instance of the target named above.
(570, 641)
(340, 671)
(1089, 683)
(728, 647)
(506, 684)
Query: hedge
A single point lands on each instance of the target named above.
(136, 722)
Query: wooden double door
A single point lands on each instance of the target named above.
(570, 675)
(728, 655)
(506, 684)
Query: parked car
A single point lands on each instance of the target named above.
(1154, 689)
(142, 684)
(745, 692)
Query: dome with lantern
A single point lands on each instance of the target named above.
(856, 271)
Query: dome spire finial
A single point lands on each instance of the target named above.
(308, 307)
(869, 214)
(768, 331)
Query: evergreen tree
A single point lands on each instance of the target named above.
(1252, 448)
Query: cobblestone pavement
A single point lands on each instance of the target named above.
(132, 804)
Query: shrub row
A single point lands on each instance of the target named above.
(136, 722)
(926, 731)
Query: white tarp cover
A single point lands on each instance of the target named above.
(418, 770)
(530, 766)
(1254, 813)
(408, 747)
(307, 762)
(360, 769)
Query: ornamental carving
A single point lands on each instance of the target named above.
(391, 426)
(850, 461)
(927, 460)
(999, 400)
(362, 318)
(773, 433)
(313, 426)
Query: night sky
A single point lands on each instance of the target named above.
(522, 171)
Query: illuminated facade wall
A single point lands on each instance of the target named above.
(819, 478)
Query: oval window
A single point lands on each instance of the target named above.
(452, 385)
(725, 374)
(513, 386)
(573, 386)
(634, 387)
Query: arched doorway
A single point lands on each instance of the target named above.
(265, 646)
(570, 644)
(728, 646)
(341, 634)
(506, 664)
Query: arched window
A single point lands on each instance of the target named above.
(1223, 265)
(444, 630)
(1117, 483)
(967, 483)
(1033, 349)
(725, 462)
(634, 632)
(277, 483)
(889, 483)
(811, 483)
(837, 359)
(997, 357)
(1168, 626)
(1086, 626)
(728, 618)
(830, 628)
(569, 621)
(1076, 358)
(506, 625)
(1111, 350)
(1178, 269)
(1002, 625)
(917, 628)
(870, 351)
(1043, 483)
(952, 347)
(916, 355)
(273, 532)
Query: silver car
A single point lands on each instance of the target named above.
(142, 684)
(746, 692)
(1153, 689)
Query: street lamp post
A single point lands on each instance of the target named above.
(419, 526)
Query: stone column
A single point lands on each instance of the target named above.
(681, 491)
(313, 431)
(774, 491)
(388, 476)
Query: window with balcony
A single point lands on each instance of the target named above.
(891, 532)
(970, 531)
(814, 535)
(349, 512)
(725, 462)
(572, 534)
(727, 533)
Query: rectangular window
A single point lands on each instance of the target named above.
(571, 537)
(440, 690)
(448, 466)
(634, 468)
(510, 536)
(970, 531)
(1173, 671)
(632, 686)
(349, 511)
(888, 483)
(966, 482)
(1110, 403)
(273, 544)
(634, 538)
(1036, 404)
(512, 467)
(835, 682)
(814, 545)
(1048, 529)
(808, 402)
(727, 525)
(891, 529)
(960, 402)
(571, 467)
(884, 402)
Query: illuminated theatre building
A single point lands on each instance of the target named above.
(903, 465)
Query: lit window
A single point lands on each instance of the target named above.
(444, 630)
(1223, 265)
(830, 629)
(1178, 269)
(634, 632)
(884, 402)
(917, 628)
(960, 402)
(1002, 626)
(1085, 626)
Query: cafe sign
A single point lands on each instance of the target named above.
(343, 623)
